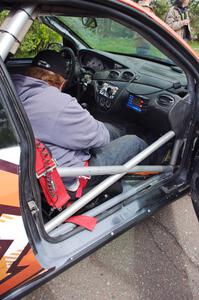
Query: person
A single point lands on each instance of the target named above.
(71, 133)
(147, 4)
(178, 19)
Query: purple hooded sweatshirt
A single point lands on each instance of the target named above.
(60, 122)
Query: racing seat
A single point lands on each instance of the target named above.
(55, 197)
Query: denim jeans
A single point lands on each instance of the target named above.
(117, 152)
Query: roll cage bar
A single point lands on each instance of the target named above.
(65, 214)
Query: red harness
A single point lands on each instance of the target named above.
(49, 179)
(53, 188)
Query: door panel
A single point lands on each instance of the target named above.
(17, 261)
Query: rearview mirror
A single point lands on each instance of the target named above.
(89, 22)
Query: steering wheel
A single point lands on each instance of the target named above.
(70, 59)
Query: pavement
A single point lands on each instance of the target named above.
(156, 260)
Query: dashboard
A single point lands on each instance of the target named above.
(151, 93)
(97, 62)
(122, 88)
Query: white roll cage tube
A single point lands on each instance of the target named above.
(126, 194)
(14, 28)
(65, 214)
(108, 170)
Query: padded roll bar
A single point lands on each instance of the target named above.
(14, 28)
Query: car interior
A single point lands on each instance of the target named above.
(123, 79)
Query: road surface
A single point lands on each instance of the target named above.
(156, 260)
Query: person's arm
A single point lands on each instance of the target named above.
(76, 129)
(170, 20)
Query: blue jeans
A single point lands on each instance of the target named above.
(117, 152)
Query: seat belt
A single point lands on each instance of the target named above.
(83, 180)
(53, 188)
(49, 179)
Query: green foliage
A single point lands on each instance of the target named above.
(3, 15)
(37, 39)
(194, 13)
(195, 45)
(161, 7)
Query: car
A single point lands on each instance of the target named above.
(125, 66)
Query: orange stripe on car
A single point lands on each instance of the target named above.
(9, 189)
(32, 267)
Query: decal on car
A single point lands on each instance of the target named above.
(17, 261)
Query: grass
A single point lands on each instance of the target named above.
(125, 45)
(129, 45)
(195, 46)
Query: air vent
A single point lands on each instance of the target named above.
(165, 100)
(113, 75)
(127, 75)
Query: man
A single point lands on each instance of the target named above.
(178, 19)
(70, 132)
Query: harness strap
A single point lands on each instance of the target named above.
(84, 221)
(83, 180)
(53, 188)
(50, 181)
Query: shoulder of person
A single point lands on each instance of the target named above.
(174, 10)
(143, 4)
(59, 99)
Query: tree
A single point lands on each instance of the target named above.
(37, 39)
(194, 13)
(161, 7)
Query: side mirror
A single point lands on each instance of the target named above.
(89, 22)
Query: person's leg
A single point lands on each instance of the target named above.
(115, 131)
(116, 152)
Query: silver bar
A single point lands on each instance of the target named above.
(13, 27)
(107, 170)
(175, 152)
(107, 182)
(126, 194)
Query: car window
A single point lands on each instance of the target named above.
(111, 36)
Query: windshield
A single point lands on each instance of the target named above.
(113, 37)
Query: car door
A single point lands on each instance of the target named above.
(17, 261)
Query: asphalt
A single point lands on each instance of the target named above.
(156, 260)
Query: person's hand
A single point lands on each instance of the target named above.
(186, 22)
